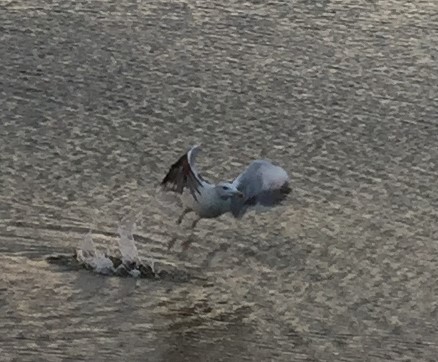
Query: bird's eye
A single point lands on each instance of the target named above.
(225, 187)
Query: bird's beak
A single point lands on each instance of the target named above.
(239, 194)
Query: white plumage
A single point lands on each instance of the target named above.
(261, 184)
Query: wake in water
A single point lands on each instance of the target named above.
(128, 264)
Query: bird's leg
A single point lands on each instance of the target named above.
(195, 222)
(184, 213)
(185, 245)
(171, 243)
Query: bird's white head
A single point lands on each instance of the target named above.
(226, 190)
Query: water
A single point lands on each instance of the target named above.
(99, 98)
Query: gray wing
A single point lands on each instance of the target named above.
(262, 184)
(183, 174)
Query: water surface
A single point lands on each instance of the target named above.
(99, 98)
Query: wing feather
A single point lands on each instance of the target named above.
(263, 184)
(183, 174)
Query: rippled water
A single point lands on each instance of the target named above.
(99, 98)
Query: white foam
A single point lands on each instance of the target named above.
(101, 264)
(135, 273)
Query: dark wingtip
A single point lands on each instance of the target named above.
(165, 180)
(176, 178)
(285, 188)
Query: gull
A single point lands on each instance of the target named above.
(261, 186)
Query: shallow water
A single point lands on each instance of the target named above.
(99, 98)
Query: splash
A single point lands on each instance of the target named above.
(91, 258)
(126, 243)
(128, 264)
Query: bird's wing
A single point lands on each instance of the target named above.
(183, 174)
(262, 184)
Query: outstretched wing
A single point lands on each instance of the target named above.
(262, 184)
(182, 174)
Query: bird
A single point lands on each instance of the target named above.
(261, 186)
